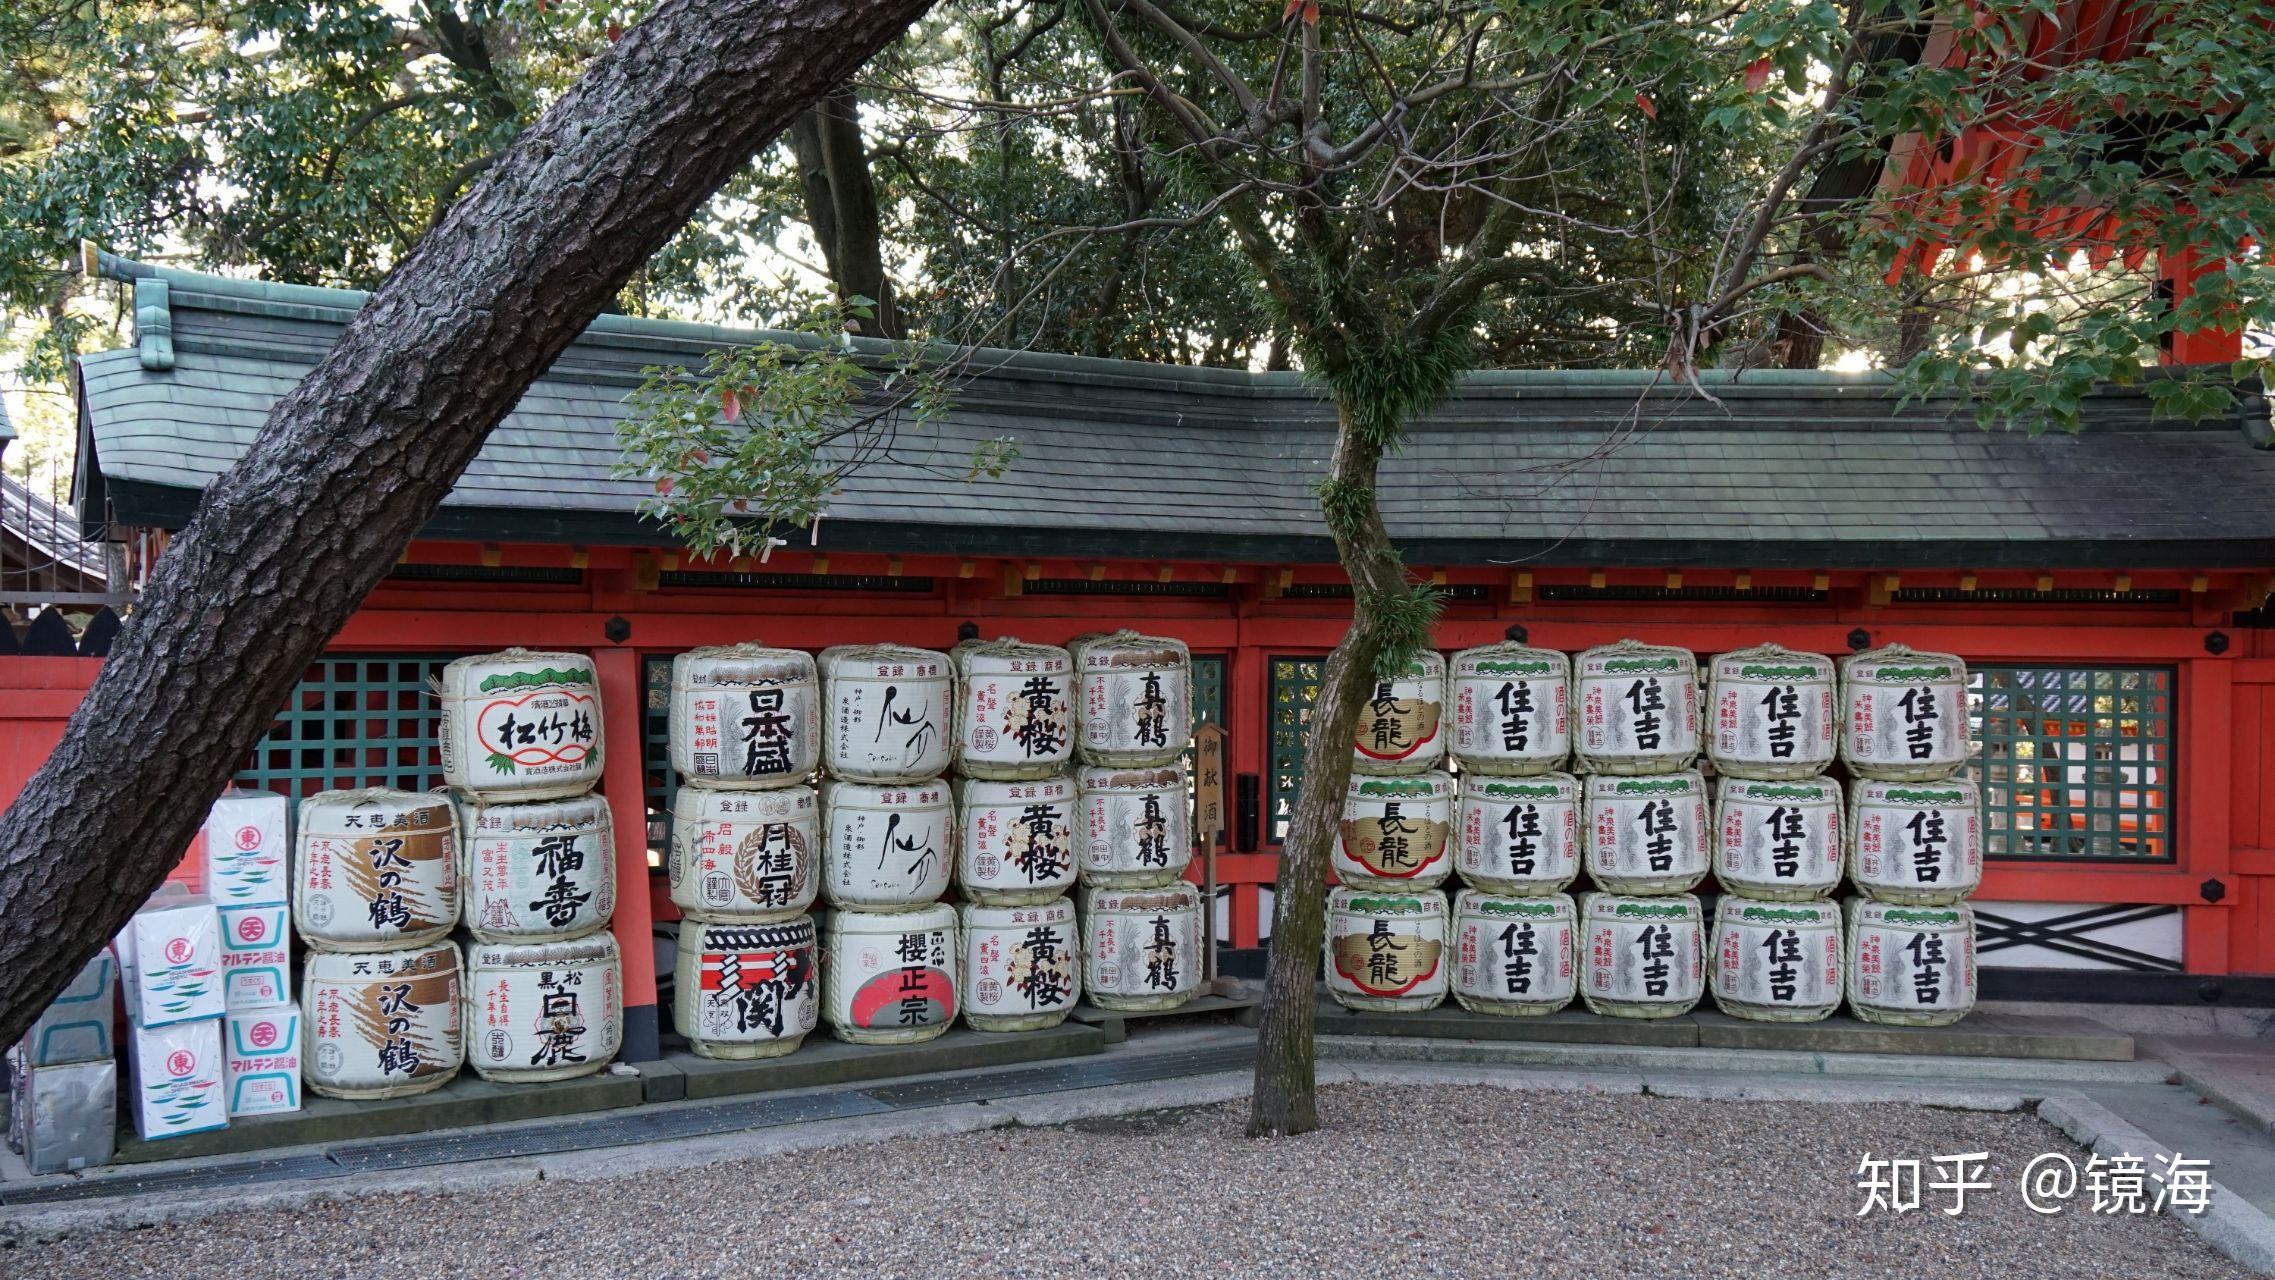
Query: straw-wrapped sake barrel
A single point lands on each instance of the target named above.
(1778, 841)
(1910, 966)
(1904, 714)
(745, 716)
(1776, 961)
(744, 856)
(1647, 835)
(1771, 713)
(742, 991)
(1394, 832)
(1141, 947)
(1512, 709)
(1518, 837)
(1517, 956)
(1137, 827)
(1014, 709)
(1016, 841)
(1642, 957)
(1386, 951)
(890, 978)
(1401, 728)
(1022, 966)
(521, 725)
(382, 1024)
(1916, 843)
(543, 1010)
(1634, 708)
(375, 869)
(886, 847)
(888, 713)
(1134, 701)
(541, 870)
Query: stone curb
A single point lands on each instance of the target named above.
(2232, 1225)
(2018, 1072)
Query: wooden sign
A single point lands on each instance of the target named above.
(1208, 784)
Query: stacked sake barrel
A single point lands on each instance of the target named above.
(1387, 924)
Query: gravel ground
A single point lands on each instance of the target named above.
(1456, 1181)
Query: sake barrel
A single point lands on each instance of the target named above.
(1647, 835)
(1518, 837)
(742, 991)
(888, 713)
(744, 715)
(1778, 841)
(1015, 841)
(887, 846)
(1137, 827)
(1386, 951)
(1022, 966)
(375, 870)
(1394, 832)
(1141, 947)
(1772, 713)
(545, 869)
(1635, 708)
(543, 1010)
(1014, 709)
(381, 1024)
(1910, 966)
(1517, 956)
(1401, 726)
(521, 725)
(1776, 961)
(1644, 957)
(890, 978)
(1904, 714)
(1134, 699)
(744, 855)
(1916, 843)
(1512, 709)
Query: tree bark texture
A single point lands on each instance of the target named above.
(841, 206)
(284, 547)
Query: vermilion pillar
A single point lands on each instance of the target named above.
(618, 671)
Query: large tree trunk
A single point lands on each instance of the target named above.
(350, 464)
(841, 206)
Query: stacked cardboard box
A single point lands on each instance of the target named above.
(63, 1091)
(170, 962)
(245, 843)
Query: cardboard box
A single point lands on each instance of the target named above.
(169, 958)
(261, 1060)
(245, 849)
(175, 1076)
(77, 1026)
(256, 956)
(64, 1117)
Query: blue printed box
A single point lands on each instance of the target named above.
(77, 1027)
(256, 956)
(261, 1053)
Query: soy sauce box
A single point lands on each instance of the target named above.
(261, 1060)
(76, 1026)
(256, 956)
(169, 958)
(174, 1077)
(245, 849)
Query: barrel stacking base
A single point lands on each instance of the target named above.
(750, 1051)
(917, 1035)
(1023, 1022)
(1498, 1009)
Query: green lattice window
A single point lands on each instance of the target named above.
(1208, 688)
(655, 754)
(2074, 762)
(1294, 689)
(354, 720)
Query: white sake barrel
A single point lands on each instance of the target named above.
(1141, 947)
(1770, 713)
(1512, 709)
(1635, 708)
(1022, 966)
(1386, 951)
(543, 1010)
(1904, 714)
(890, 979)
(1137, 826)
(1515, 956)
(1394, 832)
(1518, 837)
(1778, 841)
(521, 725)
(1647, 835)
(1014, 709)
(888, 713)
(744, 856)
(1134, 698)
(375, 870)
(1644, 957)
(742, 991)
(744, 715)
(1910, 966)
(1401, 726)
(1016, 841)
(1776, 961)
(887, 847)
(1917, 843)
(541, 870)
(382, 1024)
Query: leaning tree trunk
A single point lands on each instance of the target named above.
(350, 464)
